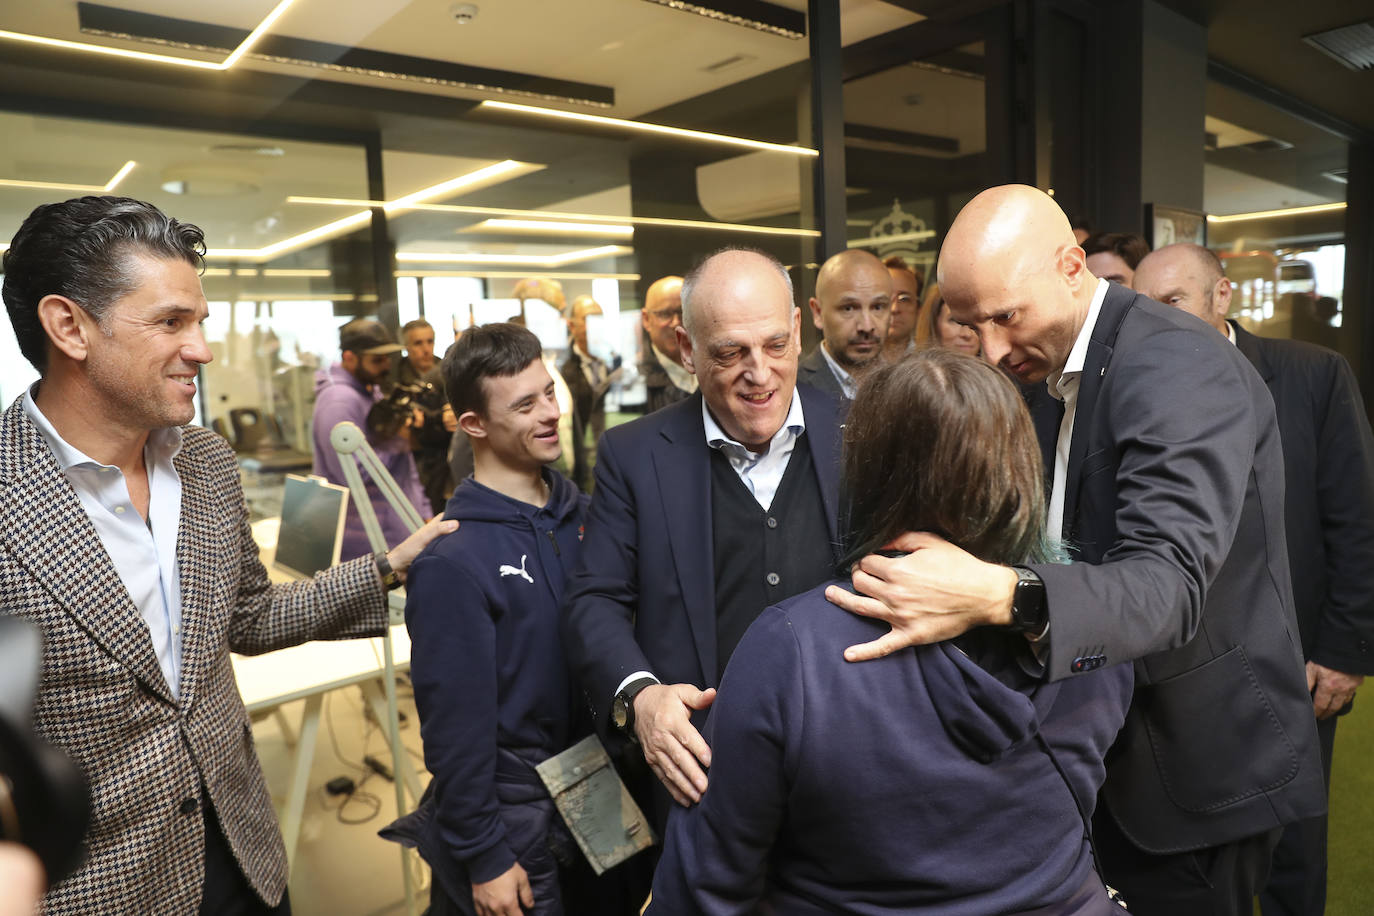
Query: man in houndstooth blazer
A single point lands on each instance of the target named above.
(180, 808)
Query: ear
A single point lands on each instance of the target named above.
(1073, 265)
(796, 327)
(69, 327)
(815, 314)
(1221, 298)
(472, 423)
(684, 343)
(349, 360)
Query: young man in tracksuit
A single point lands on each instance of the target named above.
(494, 693)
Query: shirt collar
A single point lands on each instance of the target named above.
(1078, 355)
(163, 444)
(845, 379)
(794, 425)
(1231, 333)
(677, 373)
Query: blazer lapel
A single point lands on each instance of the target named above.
(822, 436)
(47, 531)
(683, 472)
(201, 552)
(1114, 308)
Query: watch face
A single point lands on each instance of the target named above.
(619, 712)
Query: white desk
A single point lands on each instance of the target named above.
(308, 672)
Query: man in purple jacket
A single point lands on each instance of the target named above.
(346, 391)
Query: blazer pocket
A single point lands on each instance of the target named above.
(1215, 737)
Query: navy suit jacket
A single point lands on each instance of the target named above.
(816, 372)
(644, 596)
(1328, 460)
(1174, 503)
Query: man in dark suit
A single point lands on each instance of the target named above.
(704, 513)
(124, 536)
(852, 309)
(666, 380)
(1167, 487)
(1328, 455)
(588, 379)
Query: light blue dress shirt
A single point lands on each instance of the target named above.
(144, 554)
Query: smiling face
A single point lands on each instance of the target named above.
(520, 423)
(145, 354)
(744, 346)
(853, 307)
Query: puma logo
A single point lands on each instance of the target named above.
(512, 571)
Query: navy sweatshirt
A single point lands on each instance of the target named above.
(914, 783)
(493, 690)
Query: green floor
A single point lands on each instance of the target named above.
(1350, 881)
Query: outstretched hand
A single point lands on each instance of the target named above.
(935, 592)
(673, 748)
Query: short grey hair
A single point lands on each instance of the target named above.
(689, 283)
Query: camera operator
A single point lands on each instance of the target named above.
(434, 422)
(351, 390)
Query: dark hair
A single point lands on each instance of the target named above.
(942, 442)
(897, 262)
(1127, 246)
(501, 349)
(415, 324)
(81, 249)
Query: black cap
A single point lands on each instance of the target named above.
(364, 335)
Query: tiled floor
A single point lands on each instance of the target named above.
(344, 869)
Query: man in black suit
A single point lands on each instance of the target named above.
(588, 379)
(704, 513)
(852, 309)
(1328, 454)
(1168, 488)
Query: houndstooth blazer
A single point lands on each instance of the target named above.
(103, 699)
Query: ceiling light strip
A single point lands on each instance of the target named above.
(105, 188)
(576, 217)
(1275, 214)
(780, 20)
(515, 274)
(172, 59)
(647, 127)
(530, 260)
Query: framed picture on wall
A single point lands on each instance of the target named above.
(1166, 225)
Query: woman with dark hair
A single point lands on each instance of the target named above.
(809, 807)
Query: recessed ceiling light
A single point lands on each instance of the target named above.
(552, 227)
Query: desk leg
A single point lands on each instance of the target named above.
(401, 761)
(300, 776)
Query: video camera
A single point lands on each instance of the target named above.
(390, 415)
(45, 803)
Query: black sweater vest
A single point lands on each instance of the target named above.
(762, 558)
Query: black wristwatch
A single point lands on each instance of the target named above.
(1029, 613)
(623, 707)
(390, 577)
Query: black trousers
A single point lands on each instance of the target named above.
(226, 891)
(1216, 881)
(1297, 879)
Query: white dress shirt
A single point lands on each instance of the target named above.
(848, 385)
(760, 472)
(677, 373)
(144, 554)
(1064, 386)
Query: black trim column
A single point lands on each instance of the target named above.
(383, 251)
(827, 124)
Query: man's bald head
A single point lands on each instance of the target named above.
(852, 307)
(703, 291)
(1187, 277)
(662, 315)
(1011, 269)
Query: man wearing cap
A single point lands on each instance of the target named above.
(346, 391)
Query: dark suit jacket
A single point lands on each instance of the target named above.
(1328, 460)
(815, 371)
(1174, 505)
(103, 700)
(643, 598)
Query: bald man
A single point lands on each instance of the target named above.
(852, 309)
(1328, 454)
(666, 380)
(1167, 488)
(704, 514)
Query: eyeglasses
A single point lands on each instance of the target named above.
(667, 315)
